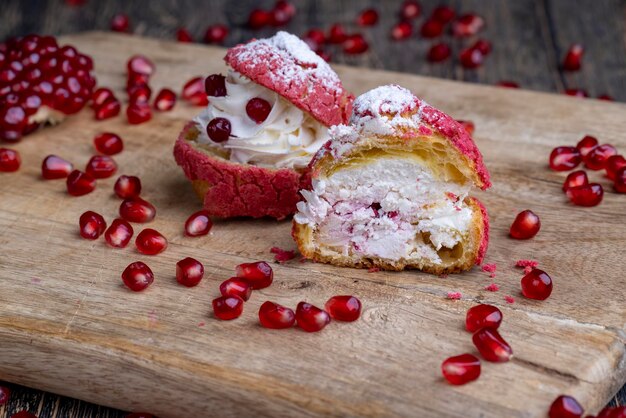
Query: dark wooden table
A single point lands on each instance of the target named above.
(529, 40)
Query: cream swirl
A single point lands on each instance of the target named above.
(287, 138)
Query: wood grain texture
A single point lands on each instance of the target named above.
(67, 325)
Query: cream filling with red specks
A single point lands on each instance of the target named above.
(392, 208)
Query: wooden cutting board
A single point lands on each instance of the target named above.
(68, 325)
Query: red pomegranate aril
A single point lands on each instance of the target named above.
(108, 109)
(492, 346)
(259, 18)
(137, 276)
(183, 35)
(410, 9)
(108, 143)
(227, 307)
(325, 55)
(79, 183)
(275, 316)
(140, 64)
(597, 158)
(337, 34)
(439, 52)
(215, 34)
(259, 274)
(459, 370)
(401, 30)
(135, 209)
(444, 14)
(368, 17)
(606, 97)
(194, 92)
(471, 58)
(355, 44)
(620, 180)
(139, 93)
(613, 164)
(588, 195)
(282, 13)
(317, 36)
(565, 407)
(54, 167)
(612, 412)
(13, 120)
(10, 160)
(91, 225)
(525, 226)
(137, 113)
(165, 100)
(537, 285)
(5, 394)
(575, 179)
(468, 125)
(218, 129)
(481, 316)
(564, 158)
(215, 85)
(431, 29)
(127, 187)
(573, 58)
(150, 242)
(586, 144)
(198, 224)
(189, 272)
(118, 235)
(101, 167)
(236, 286)
(311, 318)
(258, 109)
(467, 25)
(483, 45)
(343, 308)
(120, 23)
(23, 414)
(136, 79)
(576, 93)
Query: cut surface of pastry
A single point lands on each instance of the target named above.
(391, 190)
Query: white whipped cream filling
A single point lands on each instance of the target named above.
(382, 208)
(287, 138)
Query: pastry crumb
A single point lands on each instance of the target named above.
(526, 263)
(509, 299)
(493, 287)
(454, 295)
(282, 256)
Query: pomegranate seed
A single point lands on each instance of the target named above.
(183, 35)
(614, 163)
(120, 23)
(588, 195)
(13, 120)
(467, 25)
(444, 14)
(215, 34)
(471, 58)
(575, 179)
(108, 143)
(5, 394)
(137, 276)
(236, 286)
(368, 17)
(150, 242)
(101, 167)
(198, 224)
(127, 187)
(492, 346)
(137, 113)
(606, 97)
(325, 55)
(598, 157)
(431, 29)
(483, 46)
(108, 109)
(410, 9)
(565, 407)
(10, 160)
(355, 44)
(468, 125)
(439, 52)
(275, 316)
(136, 79)
(337, 34)
(79, 183)
(508, 84)
(311, 318)
(139, 64)
(189, 272)
(459, 370)
(576, 92)
(344, 308)
(615, 412)
(92, 225)
(565, 158)
(401, 30)
(135, 209)
(573, 58)
(481, 316)
(317, 36)
(227, 307)
(586, 144)
(100, 96)
(258, 109)
(620, 180)
(194, 93)
(536, 285)
(525, 226)
(282, 13)
(23, 414)
(165, 100)
(259, 274)
(215, 85)
(118, 235)
(259, 18)
(139, 93)
(218, 129)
